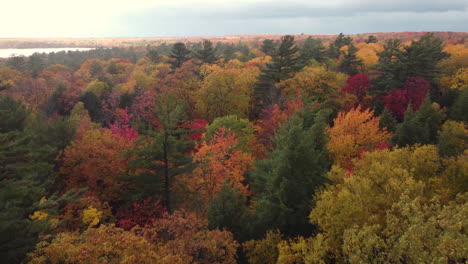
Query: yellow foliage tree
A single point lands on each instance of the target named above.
(354, 132)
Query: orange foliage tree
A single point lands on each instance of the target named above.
(95, 161)
(185, 234)
(354, 132)
(218, 161)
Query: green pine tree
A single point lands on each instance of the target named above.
(179, 55)
(284, 183)
(207, 54)
(284, 65)
(420, 127)
(228, 209)
(165, 156)
(459, 109)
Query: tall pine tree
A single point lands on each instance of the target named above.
(284, 183)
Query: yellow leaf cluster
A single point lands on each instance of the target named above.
(91, 216)
(353, 132)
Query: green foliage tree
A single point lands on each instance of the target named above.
(371, 39)
(268, 47)
(420, 127)
(239, 126)
(312, 49)
(228, 209)
(164, 154)
(285, 183)
(341, 40)
(153, 55)
(397, 64)
(387, 120)
(27, 161)
(459, 110)
(284, 65)
(350, 63)
(179, 55)
(207, 54)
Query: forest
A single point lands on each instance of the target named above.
(296, 149)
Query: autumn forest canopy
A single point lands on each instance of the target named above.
(290, 149)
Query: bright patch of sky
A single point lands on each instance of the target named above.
(147, 18)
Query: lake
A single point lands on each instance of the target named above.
(6, 53)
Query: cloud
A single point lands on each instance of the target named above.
(279, 17)
(123, 18)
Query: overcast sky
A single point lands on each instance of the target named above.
(148, 18)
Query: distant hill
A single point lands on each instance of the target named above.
(453, 37)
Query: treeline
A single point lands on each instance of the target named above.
(273, 152)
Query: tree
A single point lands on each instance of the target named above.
(153, 55)
(207, 54)
(420, 127)
(387, 121)
(186, 234)
(354, 132)
(91, 247)
(263, 251)
(179, 55)
(228, 210)
(268, 47)
(414, 232)
(218, 162)
(413, 92)
(453, 138)
(312, 49)
(284, 64)
(371, 39)
(358, 85)
(333, 51)
(397, 64)
(239, 127)
(27, 161)
(350, 63)
(95, 161)
(93, 105)
(459, 110)
(365, 198)
(163, 154)
(226, 92)
(294, 170)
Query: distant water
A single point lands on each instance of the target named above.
(6, 53)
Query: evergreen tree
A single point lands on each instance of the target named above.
(153, 55)
(36, 64)
(312, 49)
(284, 183)
(165, 157)
(112, 68)
(350, 63)
(207, 54)
(228, 210)
(284, 65)
(397, 65)
(179, 55)
(93, 105)
(459, 109)
(420, 127)
(27, 161)
(268, 47)
(387, 121)
(371, 39)
(333, 51)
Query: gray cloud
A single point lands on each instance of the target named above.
(278, 17)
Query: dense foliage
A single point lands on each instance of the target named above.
(289, 150)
